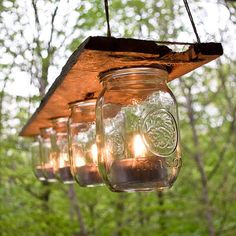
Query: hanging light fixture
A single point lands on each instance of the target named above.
(36, 159)
(48, 158)
(137, 130)
(83, 148)
(138, 143)
(59, 142)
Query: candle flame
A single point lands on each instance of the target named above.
(79, 161)
(49, 164)
(139, 148)
(94, 151)
(39, 167)
(63, 160)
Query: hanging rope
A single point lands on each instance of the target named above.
(191, 20)
(107, 18)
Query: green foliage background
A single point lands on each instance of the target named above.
(203, 199)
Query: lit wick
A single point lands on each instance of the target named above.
(39, 173)
(49, 171)
(64, 169)
(88, 174)
(140, 173)
(139, 148)
(94, 151)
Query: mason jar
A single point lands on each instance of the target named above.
(48, 158)
(137, 130)
(59, 142)
(36, 159)
(82, 139)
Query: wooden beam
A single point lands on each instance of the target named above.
(78, 79)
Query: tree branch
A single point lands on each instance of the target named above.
(52, 28)
(38, 27)
(198, 159)
(227, 142)
(76, 207)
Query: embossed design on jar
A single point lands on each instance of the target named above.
(115, 143)
(175, 163)
(159, 130)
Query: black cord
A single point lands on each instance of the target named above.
(191, 20)
(186, 7)
(107, 18)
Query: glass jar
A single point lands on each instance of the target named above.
(83, 148)
(36, 159)
(137, 130)
(47, 156)
(59, 142)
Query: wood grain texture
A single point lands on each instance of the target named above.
(78, 79)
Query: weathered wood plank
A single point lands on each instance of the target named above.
(78, 78)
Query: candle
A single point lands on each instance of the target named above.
(143, 172)
(65, 175)
(49, 174)
(85, 167)
(88, 175)
(139, 173)
(39, 173)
